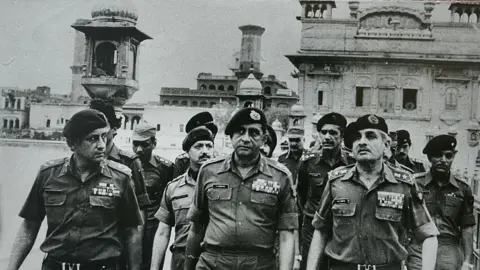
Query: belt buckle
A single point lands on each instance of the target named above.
(366, 267)
(71, 266)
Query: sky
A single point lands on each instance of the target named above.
(189, 37)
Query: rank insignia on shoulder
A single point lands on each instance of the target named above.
(390, 199)
(336, 173)
(104, 189)
(266, 186)
(420, 195)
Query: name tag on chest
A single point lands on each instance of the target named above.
(104, 189)
(266, 186)
(390, 199)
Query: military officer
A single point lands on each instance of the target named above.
(401, 153)
(240, 202)
(177, 199)
(313, 173)
(291, 159)
(366, 206)
(91, 209)
(182, 162)
(158, 171)
(449, 200)
(269, 146)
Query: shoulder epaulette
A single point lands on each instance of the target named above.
(53, 163)
(119, 167)
(462, 179)
(339, 172)
(403, 176)
(420, 174)
(398, 166)
(182, 156)
(310, 155)
(214, 160)
(164, 161)
(277, 165)
(127, 154)
(176, 179)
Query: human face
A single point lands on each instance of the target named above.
(402, 150)
(330, 137)
(247, 140)
(369, 145)
(442, 160)
(296, 144)
(144, 149)
(200, 152)
(92, 147)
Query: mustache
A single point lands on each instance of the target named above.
(205, 156)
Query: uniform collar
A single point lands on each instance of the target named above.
(115, 152)
(261, 166)
(69, 167)
(386, 173)
(343, 157)
(153, 161)
(451, 180)
(187, 179)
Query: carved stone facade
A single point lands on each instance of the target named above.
(391, 61)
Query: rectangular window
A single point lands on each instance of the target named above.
(386, 100)
(409, 99)
(363, 96)
(181, 127)
(158, 127)
(320, 98)
(58, 121)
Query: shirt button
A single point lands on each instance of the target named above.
(243, 183)
(240, 203)
(239, 223)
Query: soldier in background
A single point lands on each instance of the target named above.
(450, 201)
(182, 162)
(158, 171)
(401, 154)
(313, 174)
(177, 199)
(269, 146)
(291, 159)
(366, 206)
(132, 161)
(91, 210)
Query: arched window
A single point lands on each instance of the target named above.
(17, 123)
(175, 103)
(203, 87)
(451, 99)
(125, 121)
(231, 88)
(47, 124)
(132, 61)
(159, 127)
(194, 103)
(184, 103)
(6, 103)
(12, 103)
(320, 98)
(5, 123)
(166, 102)
(19, 104)
(267, 90)
(212, 104)
(221, 88)
(105, 59)
(248, 104)
(204, 104)
(10, 124)
(211, 87)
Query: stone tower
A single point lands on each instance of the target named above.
(250, 52)
(78, 92)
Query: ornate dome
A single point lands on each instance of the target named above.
(315, 118)
(297, 110)
(250, 87)
(120, 10)
(277, 125)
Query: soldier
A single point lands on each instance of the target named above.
(177, 199)
(401, 154)
(449, 200)
(240, 202)
(269, 146)
(91, 209)
(366, 207)
(182, 162)
(313, 172)
(158, 171)
(291, 159)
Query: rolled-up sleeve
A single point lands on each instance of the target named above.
(165, 212)
(323, 219)
(288, 215)
(468, 218)
(418, 217)
(197, 212)
(34, 208)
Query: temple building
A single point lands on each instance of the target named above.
(212, 90)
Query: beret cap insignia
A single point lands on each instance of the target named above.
(254, 115)
(373, 119)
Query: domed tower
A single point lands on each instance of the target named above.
(249, 93)
(296, 117)
(110, 70)
(250, 52)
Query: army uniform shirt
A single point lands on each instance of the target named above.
(451, 205)
(416, 166)
(312, 178)
(176, 201)
(291, 163)
(158, 172)
(182, 163)
(85, 219)
(133, 162)
(243, 213)
(365, 224)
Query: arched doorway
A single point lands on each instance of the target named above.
(135, 121)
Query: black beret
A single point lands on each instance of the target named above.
(201, 119)
(350, 135)
(332, 118)
(108, 110)
(295, 132)
(84, 122)
(271, 139)
(370, 121)
(403, 137)
(440, 143)
(245, 116)
(197, 134)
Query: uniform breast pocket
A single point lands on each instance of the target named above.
(316, 185)
(180, 205)
(219, 194)
(452, 206)
(103, 202)
(344, 220)
(263, 198)
(54, 200)
(388, 222)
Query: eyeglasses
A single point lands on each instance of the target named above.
(329, 131)
(447, 155)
